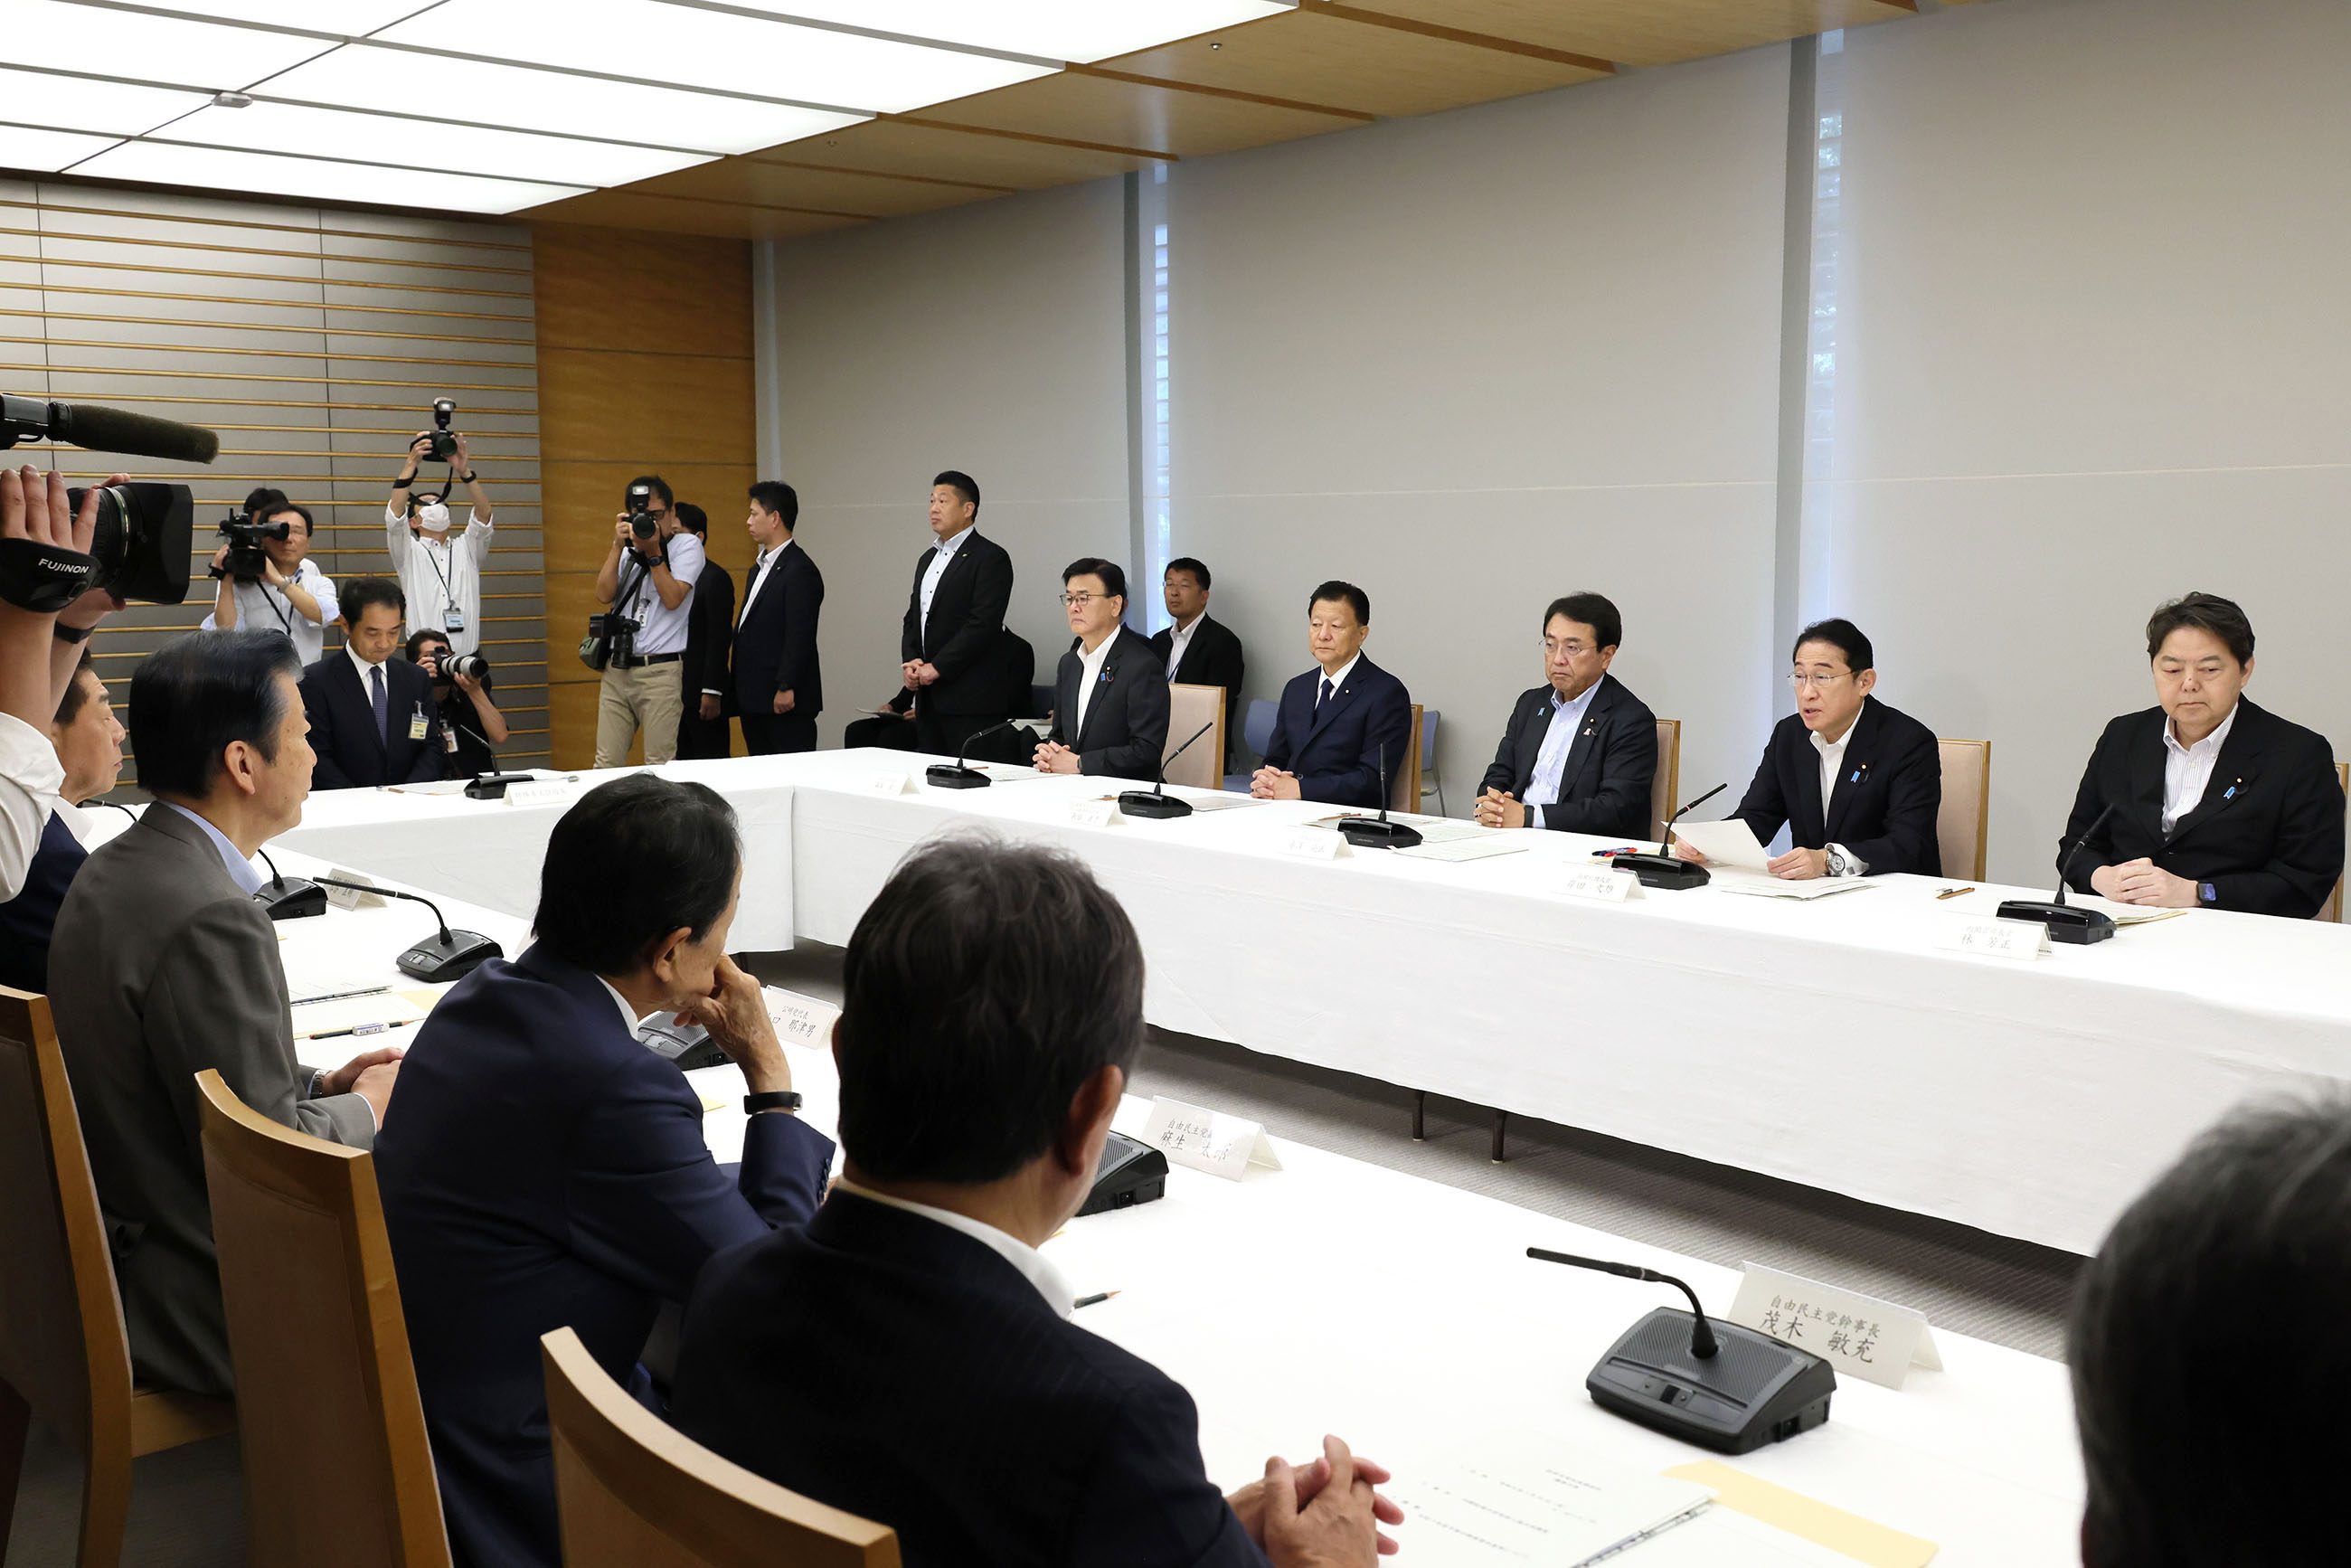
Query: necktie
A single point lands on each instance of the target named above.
(1321, 696)
(383, 705)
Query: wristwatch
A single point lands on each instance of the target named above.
(774, 1100)
(1838, 865)
(2208, 894)
(65, 633)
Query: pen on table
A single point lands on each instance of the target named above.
(339, 995)
(1604, 854)
(1952, 893)
(1093, 1301)
(355, 1028)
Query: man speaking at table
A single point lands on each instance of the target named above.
(2215, 802)
(1581, 752)
(1110, 696)
(909, 1355)
(1856, 783)
(374, 718)
(163, 965)
(1343, 726)
(963, 585)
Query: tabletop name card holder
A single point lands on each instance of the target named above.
(1602, 882)
(1860, 1335)
(351, 897)
(1997, 938)
(538, 792)
(888, 781)
(1313, 843)
(799, 1020)
(1207, 1140)
(1095, 813)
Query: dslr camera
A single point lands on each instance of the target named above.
(445, 440)
(642, 521)
(247, 561)
(139, 552)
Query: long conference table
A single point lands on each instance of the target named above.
(1835, 1042)
(1335, 1295)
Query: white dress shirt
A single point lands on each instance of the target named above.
(261, 608)
(1179, 639)
(1090, 667)
(242, 870)
(665, 629)
(31, 778)
(759, 570)
(2188, 769)
(938, 568)
(1832, 765)
(1566, 718)
(1338, 682)
(1032, 1264)
(628, 1014)
(437, 573)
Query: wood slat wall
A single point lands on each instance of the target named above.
(644, 367)
(314, 340)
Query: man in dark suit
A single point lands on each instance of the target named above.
(2205, 799)
(1109, 694)
(1346, 722)
(374, 718)
(705, 699)
(1199, 650)
(163, 964)
(908, 1356)
(961, 587)
(1581, 752)
(546, 1169)
(1879, 770)
(779, 685)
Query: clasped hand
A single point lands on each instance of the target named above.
(2144, 883)
(1300, 1519)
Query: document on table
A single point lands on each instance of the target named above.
(1768, 886)
(1533, 1501)
(1728, 842)
(350, 1015)
(1721, 1538)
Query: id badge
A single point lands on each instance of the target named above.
(452, 620)
(417, 725)
(449, 740)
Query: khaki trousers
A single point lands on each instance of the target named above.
(649, 697)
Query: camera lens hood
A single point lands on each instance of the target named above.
(44, 578)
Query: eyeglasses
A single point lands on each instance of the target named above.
(1567, 650)
(1800, 680)
(1080, 601)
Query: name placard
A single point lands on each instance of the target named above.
(888, 781)
(2026, 939)
(1314, 845)
(1860, 1335)
(539, 792)
(1602, 882)
(1093, 813)
(1208, 1141)
(351, 898)
(799, 1019)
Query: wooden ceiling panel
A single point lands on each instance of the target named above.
(1106, 113)
(1638, 32)
(895, 146)
(758, 182)
(1324, 56)
(629, 209)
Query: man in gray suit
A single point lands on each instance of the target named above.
(163, 965)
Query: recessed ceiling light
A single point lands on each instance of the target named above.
(135, 46)
(425, 144)
(79, 103)
(346, 16)
(317, 179)
(47, 151)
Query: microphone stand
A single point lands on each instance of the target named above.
(1155, 801)
(1665, 869)
(447, 956)
(289, 898)
(1378, 833)
(2066, 922)
(959, 777)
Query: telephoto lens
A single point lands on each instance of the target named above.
(471, 665)
(144, 535)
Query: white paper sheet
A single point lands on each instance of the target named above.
(1719, 1537)
(1531, 1501)
(1730, 841)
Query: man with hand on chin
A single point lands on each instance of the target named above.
(1110, 696)
(2217, 803)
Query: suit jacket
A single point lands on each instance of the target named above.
(1611, 765)
(1212, 658)
(163, 966)
(351, 754)
(1008, 1436)
(2268, 835)
(1337, 757)
(710, 638)
(1125, 732)
(775, 643)
(965, 614)
(1884, 806)
(539, 1167)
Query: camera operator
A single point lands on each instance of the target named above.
(290, 596)
(647, 577)
(88, 739)
(441, 576)
(470, 721)
(39, 652)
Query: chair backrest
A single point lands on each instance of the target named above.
(1429, 740)
(2333, 908)
(62, 1344)
(1666, 784)
(1041, 702)
(1404, 784)
(1961, 825)
(337, 1468)
(636, 1493)
(1190, 707)
(1257, 725)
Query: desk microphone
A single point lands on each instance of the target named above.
(1379, 833)
(289, 898)
(1156, 800)
(960, 777)
(2066, 923)
(1666, 869)
(1670, 1372)
(448, 956)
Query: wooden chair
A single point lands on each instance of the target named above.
(64, 1354)
(1665, 787)
(337, 1466)
(1188, 707)
(2333, 908)
(1962, 824)
(1404, 784)
(635, 1493)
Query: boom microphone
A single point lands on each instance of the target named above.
(102, 429)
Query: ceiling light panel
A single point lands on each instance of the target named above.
(74, 103)
(45, 152)
(348, 16)
(1081, 30)
(423, 144)
(682, 46)
(485, 93)
(134, 46)
(206, 168)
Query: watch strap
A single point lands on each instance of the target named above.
(774, 1100)
(65, 633)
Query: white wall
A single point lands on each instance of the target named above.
(989, 338)
(2094, 338)
(1477, 361)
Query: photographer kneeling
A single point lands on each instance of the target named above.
(272, 586)
(545, 1168)
(470, 721)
